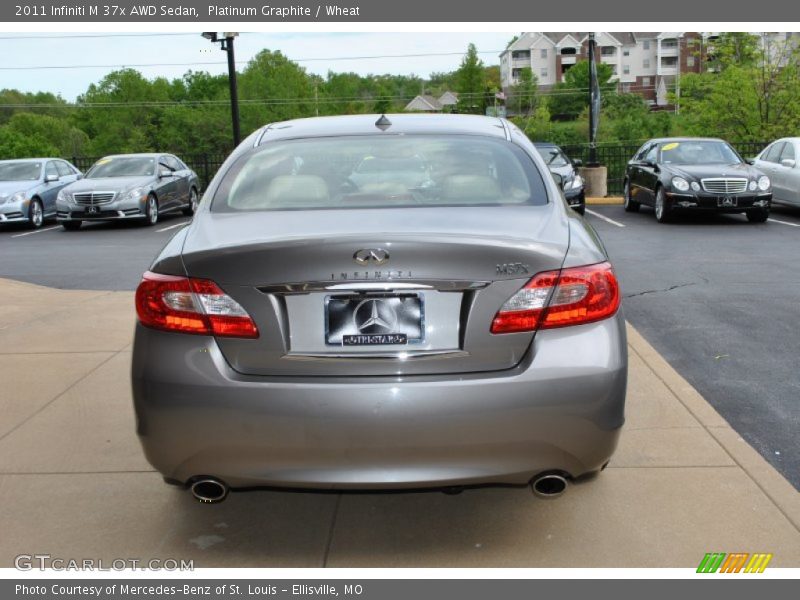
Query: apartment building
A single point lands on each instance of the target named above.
(647, 63)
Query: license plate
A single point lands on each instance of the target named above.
(727, 201)
(374, 320)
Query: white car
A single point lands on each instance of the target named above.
(779, 162)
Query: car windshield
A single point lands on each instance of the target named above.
(693, 152)
(553, 157)
(123, 166)
(20, 171)
(380, 171)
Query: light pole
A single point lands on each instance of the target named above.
(226, 43)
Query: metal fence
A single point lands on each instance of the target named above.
(613, 156)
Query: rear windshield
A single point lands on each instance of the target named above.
(553, 157)
(123, 166)
(380, 171)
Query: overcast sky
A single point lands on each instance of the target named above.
(55, 49)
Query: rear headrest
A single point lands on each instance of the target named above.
(471, 188)
(289, 189)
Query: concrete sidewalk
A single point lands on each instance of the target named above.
(74, 484)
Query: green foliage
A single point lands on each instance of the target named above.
(753, 100)
(571, 96)
(470, 79)
(17, 145)
(524, 98)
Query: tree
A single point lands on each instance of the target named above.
(571, 96)
(283, 87)
(757, 100)
(17, 145)
(470, 81)
(524, 93)
(734, 48)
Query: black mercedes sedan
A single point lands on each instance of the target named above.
(567, 170)
(675, 174)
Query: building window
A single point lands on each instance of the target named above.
(608, 51)
(646, 63)
(669, 62)
(669, 43)
(544, 71)
(521, 54)
(515, 74)
(626, 53)
(626, 88)
(646, 45)
(645, 82)
(690, 61)
(543, 53)
(626, 69)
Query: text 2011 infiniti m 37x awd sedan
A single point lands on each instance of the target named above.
(446, 321)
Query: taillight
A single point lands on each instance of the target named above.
(189, 305)
(571, 296)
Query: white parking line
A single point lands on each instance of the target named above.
(784, 222)
(36, 231)
(173, 226)
(606, 219)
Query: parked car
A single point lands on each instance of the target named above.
(130, 186)
(29, 186)
(301, 332)
(697, 174)
(779, 161)
(566, 169)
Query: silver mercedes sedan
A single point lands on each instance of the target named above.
(129, 186)
(29, 186)
(312, 329)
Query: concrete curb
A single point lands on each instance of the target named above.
(609, 200)
(764, 475)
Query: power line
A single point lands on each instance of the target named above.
(91, 36)
(201, 63)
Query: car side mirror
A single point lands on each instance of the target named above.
(51, 178)
(558, 179)
(79, 176)
(164, 173)
(789, 162)
(577, 162)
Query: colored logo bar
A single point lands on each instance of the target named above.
(735, 562)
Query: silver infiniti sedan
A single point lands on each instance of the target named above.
(130, 186)
(309, 330)
(28, 188)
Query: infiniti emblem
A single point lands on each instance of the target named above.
(374, 316)
(374, 256)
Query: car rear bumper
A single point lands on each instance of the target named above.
(560, 409)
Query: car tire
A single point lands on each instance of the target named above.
(194, 200)
(662, 208)
(71, 225)
(35, 214)
(151, 210)
(757, 215)
(628, 203)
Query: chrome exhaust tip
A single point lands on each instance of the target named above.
(549, 485)
(209, 491)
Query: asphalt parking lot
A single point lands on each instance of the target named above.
(715, 294)
(718, 297)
